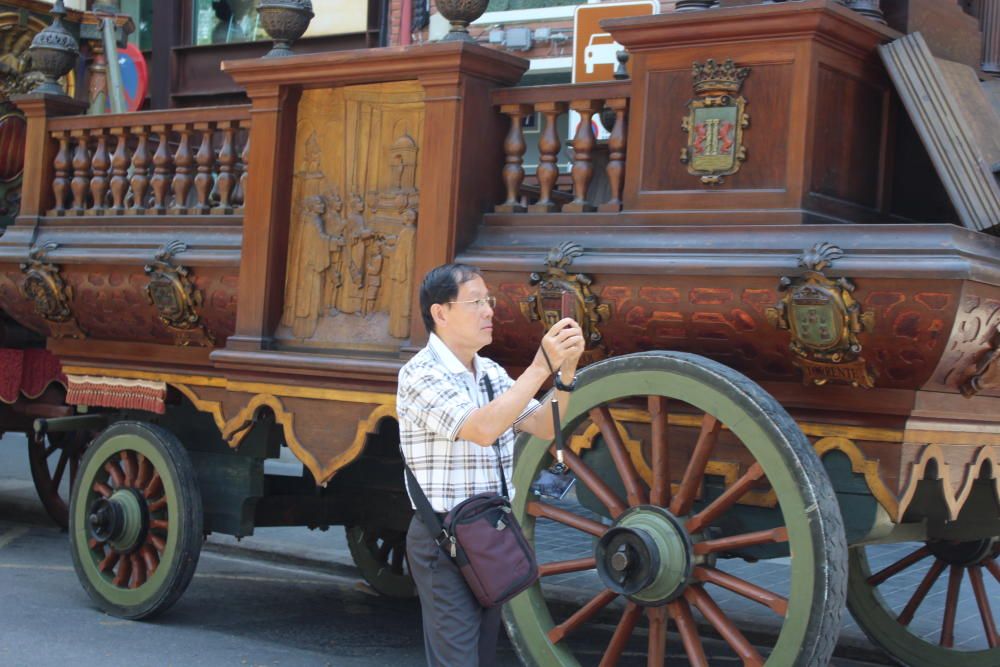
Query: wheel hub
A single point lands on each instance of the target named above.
(962, 553)
(645, 556)
(121, 520)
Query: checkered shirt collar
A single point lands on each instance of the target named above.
(451, 362)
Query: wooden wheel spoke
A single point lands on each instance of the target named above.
(735, 542)
(728, 498)
(773, 601)
(582, 615)
(951, 606)
(93, 543)
(159, 524)
(150, 559)
(697, 596)
(994, 569)
(49, 449)
(608, 497)
(396, 561)
(539, 509)
(158, 543)
(659, 495)
(155, 486)
(635, 491)
(695, 471)
(656, 654)
(60, 468)
(145, 470)
(138, 571)
(124, 572)
(906, 616)
(128, 465)
(680, 611)
(983, 602)
(623, 632)
(158, 505)
(109, 562)
(566, 566)
(899, 566)
(102, 488)
(117, 477)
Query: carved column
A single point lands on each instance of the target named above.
(183, 163)
(988, 12)
(226, 182)
(140, 171)
(513, 148)
(160, 182)
(101, 163)
(583, 144)
(205, 158)
(548, 146)
(243, 168)
(616, 155)
(81, 172)
(119, 170)
(60, 182)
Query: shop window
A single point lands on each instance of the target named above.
(226, 21)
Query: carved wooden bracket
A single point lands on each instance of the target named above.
(561, 294)
(44, 286)
(175, 296)
(823, 318)
(986, 374)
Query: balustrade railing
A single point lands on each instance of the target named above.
(609, 100)
(178, 162)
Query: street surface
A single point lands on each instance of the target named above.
(239, 610)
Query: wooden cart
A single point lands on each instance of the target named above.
(792, 324)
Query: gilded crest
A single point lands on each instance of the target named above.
(175, 296)
(560, 294)
(44, 287)
(715, 122)
(824, 319)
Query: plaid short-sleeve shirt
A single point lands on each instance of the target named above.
(435, 395)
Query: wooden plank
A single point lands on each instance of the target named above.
(945, 131)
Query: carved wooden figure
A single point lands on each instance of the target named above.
(314, 261)
(400, 275)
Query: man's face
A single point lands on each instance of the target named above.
(468, 321)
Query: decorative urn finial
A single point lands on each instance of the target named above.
(285, 21)
(870, 8)
(461, 13)
(53, 52)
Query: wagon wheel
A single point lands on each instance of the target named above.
(657, 550)
(967, 573)
(380, 554)
(135, 520)
(54, 461)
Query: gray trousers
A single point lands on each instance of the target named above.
(458, 632)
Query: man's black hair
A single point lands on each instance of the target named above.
(441, 285)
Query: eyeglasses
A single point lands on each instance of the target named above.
(490, 301)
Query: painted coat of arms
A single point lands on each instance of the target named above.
(715, 122)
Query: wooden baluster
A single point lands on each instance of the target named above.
(514, 147)
(616, 155)
(161, 170)
(548, 146)
(119, 171)
(81, 172)
(244, 166)
(225, 184)
(140, 171)
(183, 162)
(60, 182)
(206, 165)
(100, 163)
(583, 144)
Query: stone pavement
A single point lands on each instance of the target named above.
(328, 550)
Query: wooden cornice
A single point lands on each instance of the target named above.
(839, 26)
(562, 92)
(378, 65)
(234, 113)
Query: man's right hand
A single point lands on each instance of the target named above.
(563, 343)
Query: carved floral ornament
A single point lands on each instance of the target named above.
(715, 122)
(44, 287)
(824, 319)
(173, 293)
(985, 375)
(559, 293)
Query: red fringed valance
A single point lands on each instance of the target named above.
(27, 372)
(122, 393)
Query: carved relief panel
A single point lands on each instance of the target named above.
(353, 219)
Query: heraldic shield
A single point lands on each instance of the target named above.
(715, 123)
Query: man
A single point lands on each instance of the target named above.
(447, 427)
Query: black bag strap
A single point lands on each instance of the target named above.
(496, 445)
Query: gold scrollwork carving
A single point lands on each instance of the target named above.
(44, 286)
(986, 373)
(173, 293)
(560, 293)
(715, 122)
(824, 319)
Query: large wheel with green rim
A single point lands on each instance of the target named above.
(964, 576)
(135, 520)
(380, 554)
(54, 460)
(657, 529)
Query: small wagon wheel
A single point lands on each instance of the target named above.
(656, 549)
(54, 460)
(380, 554)
(135, 520)
(919, 638)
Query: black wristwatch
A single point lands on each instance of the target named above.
(561, 386)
